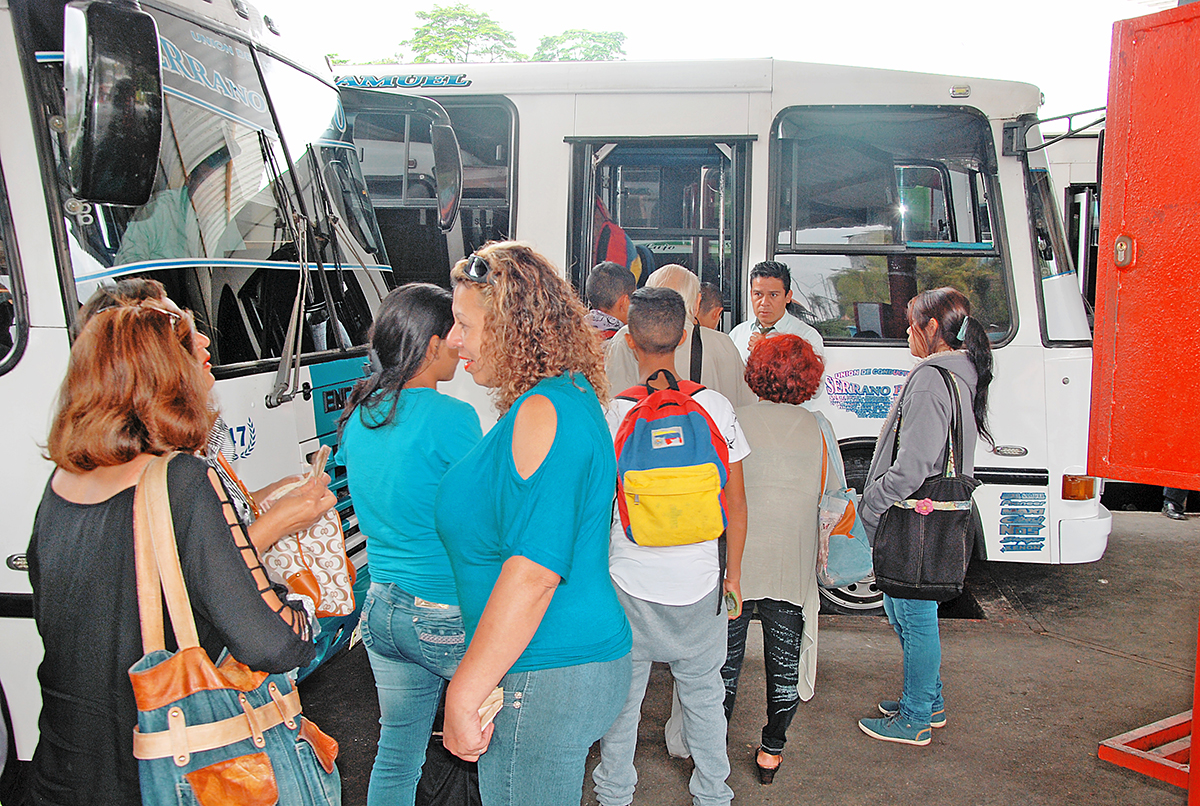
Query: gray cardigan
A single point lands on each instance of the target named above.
(924, 429)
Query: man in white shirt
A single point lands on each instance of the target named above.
(770, 293)
(671, 594)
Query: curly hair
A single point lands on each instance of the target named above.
(785, 369)
(536, 325)
(133, 386)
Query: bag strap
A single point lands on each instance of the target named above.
(236, 479)
(697, 354)
(829, 440)
(824, 464)
(157, 564)
(954, 433)
(954, 447)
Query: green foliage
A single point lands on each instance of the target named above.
(579, 45)
(981, 279)
(459, 33)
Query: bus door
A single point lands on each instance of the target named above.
(649, 203)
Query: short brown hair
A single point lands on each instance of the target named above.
(133, 386)
(537, 327)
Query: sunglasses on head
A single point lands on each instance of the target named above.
(477, 269)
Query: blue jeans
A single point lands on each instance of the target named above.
(414, 648)
(916, 622)
(550, 719)
(783, 627)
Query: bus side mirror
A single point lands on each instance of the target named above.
(447, 173)
(113, 102)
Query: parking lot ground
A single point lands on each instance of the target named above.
(1068, 656)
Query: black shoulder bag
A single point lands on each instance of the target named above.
(924, 543)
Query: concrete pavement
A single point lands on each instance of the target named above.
(1067, 656)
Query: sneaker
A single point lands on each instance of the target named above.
(891, 708)
(1173, 511)
(895, 729)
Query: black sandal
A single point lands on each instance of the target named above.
(766, 774)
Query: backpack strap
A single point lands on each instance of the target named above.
(697, 354)
(672, 381)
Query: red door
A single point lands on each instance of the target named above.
(1145, 423)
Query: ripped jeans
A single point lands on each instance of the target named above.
(782, 626)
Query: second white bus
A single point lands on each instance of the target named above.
(871, 185)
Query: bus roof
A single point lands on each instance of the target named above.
(791, 82)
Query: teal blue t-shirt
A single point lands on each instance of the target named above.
(393, 472)
(559, 518)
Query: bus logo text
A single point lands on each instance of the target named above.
(1022, 522)
(407, 82)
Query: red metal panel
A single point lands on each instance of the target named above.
(1146, 376)
(1148, 750)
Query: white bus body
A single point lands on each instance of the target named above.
(256, 185)
(870, 184)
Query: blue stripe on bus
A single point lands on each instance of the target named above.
(989, 247)
(199, 262)
(48, 56)
(217, 110)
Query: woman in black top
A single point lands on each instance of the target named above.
(136, 387)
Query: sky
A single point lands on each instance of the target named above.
(1062, 46)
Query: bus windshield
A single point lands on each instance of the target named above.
(233, 195)
(875, 204)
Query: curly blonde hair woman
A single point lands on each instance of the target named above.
(537, 327)
(525, 510)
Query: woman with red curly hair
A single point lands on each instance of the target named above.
(525, 518)
(779, 577)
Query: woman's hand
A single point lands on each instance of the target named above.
(296, 510)
(460, 732)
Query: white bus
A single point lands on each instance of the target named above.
(238, 188)
(870, 184)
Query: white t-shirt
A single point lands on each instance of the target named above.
(786, 324)
(671, 575)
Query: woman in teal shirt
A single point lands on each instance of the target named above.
(399, 436)
(525, 517)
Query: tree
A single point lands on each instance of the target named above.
(578, 45)
(459, 33)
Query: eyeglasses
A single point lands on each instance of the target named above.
(477, 269)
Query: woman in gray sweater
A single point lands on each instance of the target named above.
(942, 333)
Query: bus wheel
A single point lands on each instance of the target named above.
(862, 598)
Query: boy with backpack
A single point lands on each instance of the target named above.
(679, 467)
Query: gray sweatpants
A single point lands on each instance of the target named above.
(691, 639)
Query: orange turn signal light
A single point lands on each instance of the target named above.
(1078, 488)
